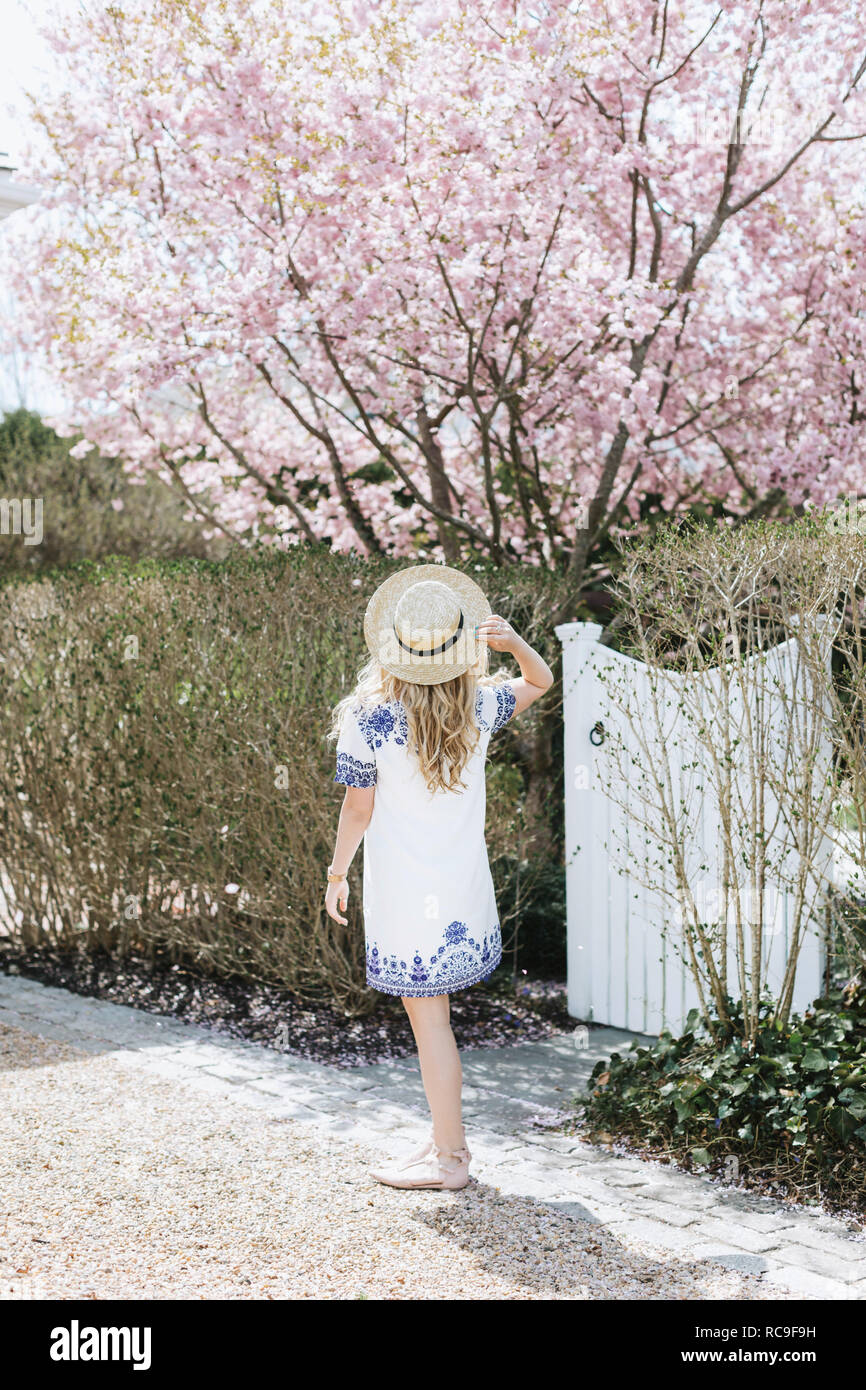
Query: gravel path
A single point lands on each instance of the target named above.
(123, 1186)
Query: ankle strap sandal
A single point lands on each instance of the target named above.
(445, 1169)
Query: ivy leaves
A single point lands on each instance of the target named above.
(793, 1101)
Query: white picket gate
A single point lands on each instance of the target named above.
(624, 968)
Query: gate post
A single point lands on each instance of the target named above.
(578, 641)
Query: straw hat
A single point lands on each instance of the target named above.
(420, 624)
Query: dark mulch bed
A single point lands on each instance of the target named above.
(492, 1014)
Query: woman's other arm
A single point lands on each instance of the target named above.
(355, 813)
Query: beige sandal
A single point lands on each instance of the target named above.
(445, 1169)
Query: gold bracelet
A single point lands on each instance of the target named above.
(335, 878)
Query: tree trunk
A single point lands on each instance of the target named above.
(440, 488)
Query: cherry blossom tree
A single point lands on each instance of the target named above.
(476, 278)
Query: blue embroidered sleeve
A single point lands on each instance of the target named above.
(506, 703)
(356, 760)
(351, 773)
(494, 706)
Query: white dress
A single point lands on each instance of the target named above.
(430, 918)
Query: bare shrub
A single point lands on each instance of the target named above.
(165, 779)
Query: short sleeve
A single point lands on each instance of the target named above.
(356, 761)
(495, 705)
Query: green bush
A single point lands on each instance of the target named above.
(165, 781)
(791, 1109)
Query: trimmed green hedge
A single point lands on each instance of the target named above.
(165, 779)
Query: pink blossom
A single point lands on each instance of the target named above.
(376, 264)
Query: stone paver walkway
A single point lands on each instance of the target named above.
(797, 1251)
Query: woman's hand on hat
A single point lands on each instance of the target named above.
(497, 633)
(337, 896)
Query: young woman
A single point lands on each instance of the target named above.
(411, 746)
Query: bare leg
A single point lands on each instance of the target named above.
(441, 1071)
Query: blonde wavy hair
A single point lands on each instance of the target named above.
(443, 733)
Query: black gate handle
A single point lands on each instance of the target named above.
(597, 734)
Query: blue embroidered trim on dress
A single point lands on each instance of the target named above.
(379, 723)
(459, 962)
(352, 773)
(479, 708)
(506, 703)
